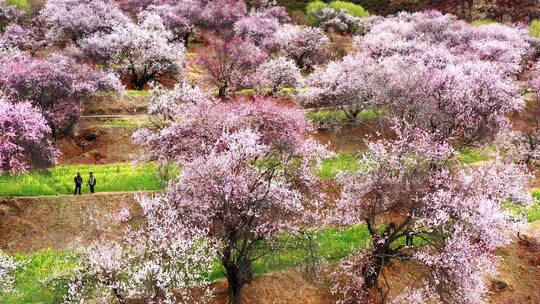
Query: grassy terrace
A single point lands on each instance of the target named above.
(534, 212)
(129, 177)
(340, 116)
(59, 180)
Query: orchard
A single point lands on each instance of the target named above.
(366, 154)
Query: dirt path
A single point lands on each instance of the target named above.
(68, 196)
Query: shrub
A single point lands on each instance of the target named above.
(348, 7)
(351, 8)
(313, 7)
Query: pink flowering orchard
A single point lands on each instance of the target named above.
(72, 20)
(57, 85)
(227, 177)
(440, 97)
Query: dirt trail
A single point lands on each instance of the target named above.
(113, 105)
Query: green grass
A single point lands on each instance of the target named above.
(20, 4)
(480, 22)
(121, 123)
(36, 281)
(349, 7)
(470, 155)
(341, 162)
(139, 92)
(340, 116)
(333, 245)
(534, 30)
(346, 161)
(59, 180)
(533, 213)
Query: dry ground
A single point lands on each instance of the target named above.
(59, 222)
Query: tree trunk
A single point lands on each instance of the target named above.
(222, 91)
(239, 273)
(235, 292)
(185, 39)
(137, 85)
(351, 115)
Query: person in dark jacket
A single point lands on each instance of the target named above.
(91, 182)
(78, 183)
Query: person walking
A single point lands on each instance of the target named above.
(92, 182)
(409, 238)
(78, 183)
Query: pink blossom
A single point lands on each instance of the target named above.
(24, 142)
(198, 126)
(71, 20)
(305, 45)
(56, 84)
(143, 51)
(277, 73)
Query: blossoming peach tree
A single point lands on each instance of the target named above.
(423, 210)
(247, 175)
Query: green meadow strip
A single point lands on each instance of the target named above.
(59, 180)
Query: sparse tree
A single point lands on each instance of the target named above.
(349, 84)
(228, 64)
(455, 217)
